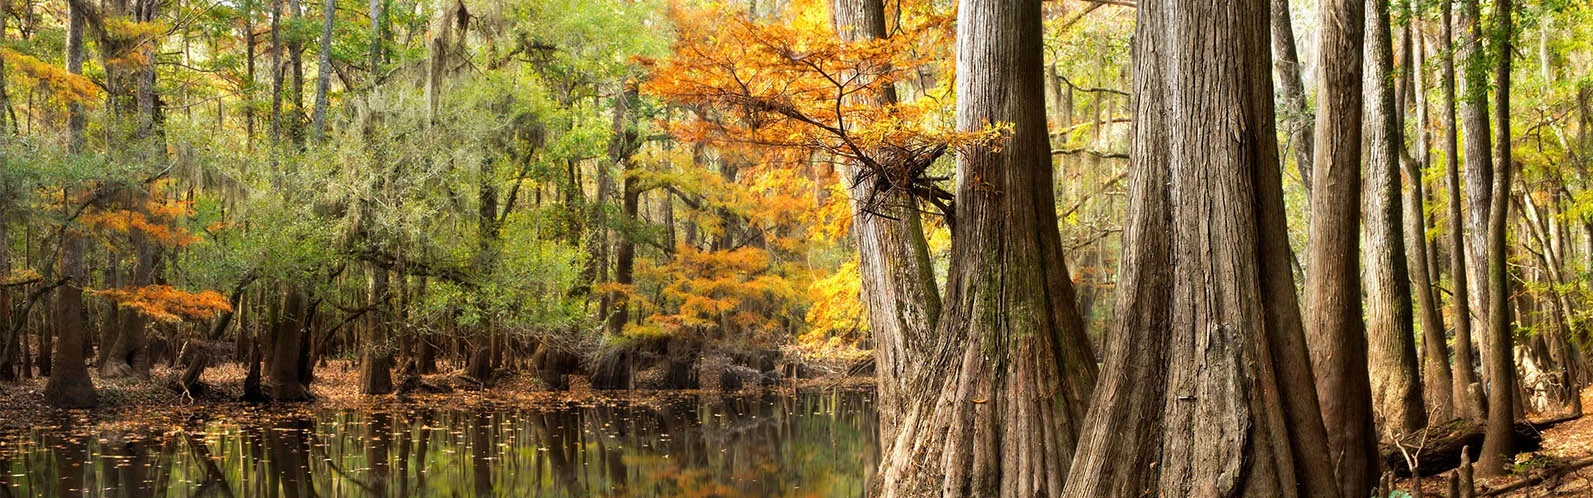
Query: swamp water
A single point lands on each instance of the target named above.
(820, 444)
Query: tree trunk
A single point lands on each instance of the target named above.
(1395, 375)
(69, 385)
(1497, 450)
(1291, 91)
(1437, 379)
(1000, 406)
(1473, 66)
(1465, 374)
(899, 289)
(287, 330)
(276, 72)
(1206, 389)
(323, 73)
(1336, 333)
(376, 349)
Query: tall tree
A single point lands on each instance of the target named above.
(1208, 359)
(899, 289)
(1472, 65)
(1498, 443)
(999, 407)
(1467, 400)
(1437, 379)
(1395, 375)
(69, 385)
(1336, 333)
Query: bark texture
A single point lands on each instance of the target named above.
(899, 289)
(1208, 361)
(1395, 375)
(1465, 374)
(1336, 333)
(1497, 447)
(1437, 379)
(999, 407)
(1473, 67)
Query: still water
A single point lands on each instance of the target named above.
(809, 444)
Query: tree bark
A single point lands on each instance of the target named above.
(899, 289)
(1473, 75)
(999, 408)
(1297, 115)
(1208, 361)
(1437, 379)
(376, 348)
(1497, 445)
(1465, 374)
(69, 385)
(1395, 374)
(323, 73)
(287, 331)
(1336, 333)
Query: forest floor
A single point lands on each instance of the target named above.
(1563, 466)
(136, 404)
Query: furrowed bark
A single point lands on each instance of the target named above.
(1336, 333)
(1465, 374)
(1395, 375)
(899, 289)
(1497, 447)
(997, 411)
(1209, 360)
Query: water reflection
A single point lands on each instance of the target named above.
(812, 444)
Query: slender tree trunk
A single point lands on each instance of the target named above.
(998, 411)
(1395, 374)
(1336, 333)
(74, 65)
(10, 346)
(323, 73)
(899, 289)
(1437, 379)
(276, 72)
(1473, 66)
(1206, 389)
(1297, 116)
(1465, 373)
(1497, 447)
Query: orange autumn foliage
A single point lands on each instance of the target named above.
(156, 216)
(791, 83)
(166, 303)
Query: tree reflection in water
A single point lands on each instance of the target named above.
(812, 444)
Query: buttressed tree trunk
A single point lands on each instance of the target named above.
(1336, 334)
(899, 287)
(1395, 376)
(1496, 445)
(1206, 389)
(286, 340)
(999, 408)
(1465, 375)
(69, 385)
